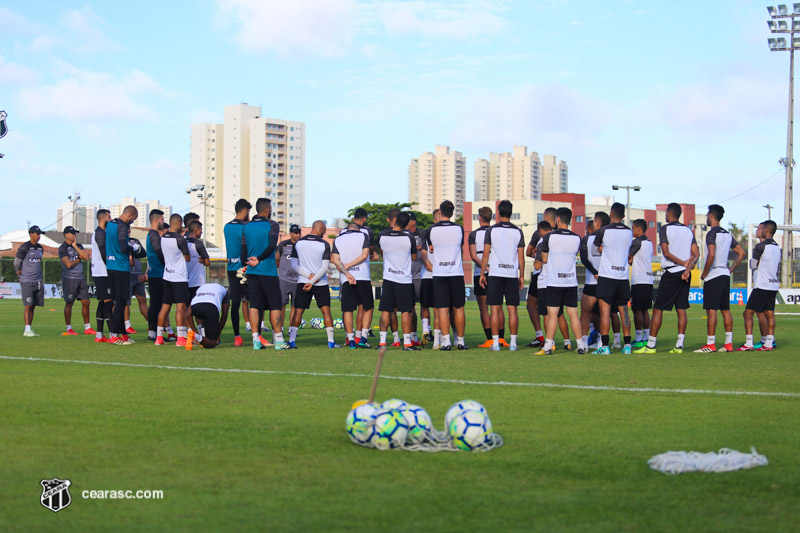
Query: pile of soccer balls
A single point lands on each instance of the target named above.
(318, 323)
(395, 424)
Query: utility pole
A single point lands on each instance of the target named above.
(628, 203)
(769, 210)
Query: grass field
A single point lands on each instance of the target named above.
(242, 451)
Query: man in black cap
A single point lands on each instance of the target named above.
(73, 280)
(28, 265)
(287, 277)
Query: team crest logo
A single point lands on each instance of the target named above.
(55, 493)
(3, 125)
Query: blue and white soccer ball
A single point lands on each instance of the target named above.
(419, 423)
(391, 429)
(303, 323)
(394, 403)
(338, 323)
(470, 430)
(360, 424)
(317, 323)
(463, 405)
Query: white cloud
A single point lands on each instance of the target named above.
(313, 27)
(443, 19)
(13, 73)
(12, 23)
(88, 30)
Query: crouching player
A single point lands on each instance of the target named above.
(210, 308)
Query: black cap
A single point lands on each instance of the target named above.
(70, 229)
(34, 229)
(412, 215)
(295, 229)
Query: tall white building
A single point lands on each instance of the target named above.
(83, 217)
(144, 208)
(512, 176)
(554, 175)
(436, 177)
(248, 157)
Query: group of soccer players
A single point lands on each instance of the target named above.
(420, 267)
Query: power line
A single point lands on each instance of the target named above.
(751, 188)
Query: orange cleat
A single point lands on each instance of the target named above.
(503, 343)
(487, 344)
(189, 340)
(68, 333)
(237, 341)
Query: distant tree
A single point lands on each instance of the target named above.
(460, 220)
(739, 234)
(377, 213)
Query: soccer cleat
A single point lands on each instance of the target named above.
(189, 340)
(172, 338)
(542, 351)
(380, 345)
(257, 345)
(726, 348)
(181, 341)
(119, 341)
(104, 339)
(603, 350)
(708, 348)
(503, 343)
(89, 331)
(237, 341)
(292, 345)
(513, 347)
(581, 351)
(445, 348)
(745, 348)
(416, 343)
(371, 333)
(645, 349)
(487, 344)
(396, 344)
(463, 347)
(128, 339)
(282, 346)
(567, 345)
(616, 346)
(594, 335)
(765, 348)
(494, 348)
(758, 345)
(351, 344)
(30, 333)
(247, 327)
(428, 337)
(159, 341)
(535, 343)
(638, 344)
(626, 350)
(131, 331)
(68, 333)
(334, 345)
(264, 341)
(676, 350)
(410, 348)
(364, 344)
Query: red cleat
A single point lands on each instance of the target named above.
(744, 348)
(237, 341)
(265, 342)
(416, 343)
(113, 340)
(172, 337)
(89, 331)
(181, 341)
(131, 331)
(160, 341)
(726, 348)
(358, 340)
(101, 339)
(764, 348)
(68, 333)
(396, 344)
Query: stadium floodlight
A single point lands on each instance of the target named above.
(783, 26)
(796, 42)
(773, 26)
(773, 44)
(628, 203)
(782, 43)
(772, 11)
(796, 9)
(783, 10)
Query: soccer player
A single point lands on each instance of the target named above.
(209, 305)
(28, 265)
(591, 263)
(187, 219)
(399, 250)
(233, 247)
(417, 267)
(640, 257)
(765, 262)
(176, 280)
(100, 274)
(717, 279)
(426, 292)
(118, 254)
(137, 279)
(613, 243)
(198, 257)
(155, 270)
(504, 258)
(532, 303)
(364, 316)
(679, 256)
(287, 277)
(311, 256)
(476, 248)
(350, 255)
(259, 240)
(558, 251)
(445, 239)
(73, 280)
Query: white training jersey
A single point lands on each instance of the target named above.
(642, 267)
(505, 240)
(447, 240)
(98, 253)
(174, 248)
(211, 293)
(397, 248)
(680, 240)
(478, 238)
(196, 270)
(768, 255)
(349, 245)
(723, 243)
(590, 261)
(541, 282)
(561, 246)
(615, 239)
(310, 251)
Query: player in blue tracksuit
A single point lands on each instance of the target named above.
(118, 253)
(155, 270)
(233, 246)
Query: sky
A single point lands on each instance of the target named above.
(688, 103)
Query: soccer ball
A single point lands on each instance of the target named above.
(338, 323)
(463, 405)
(391, 429)
(302, 323)
(360, 424)
(419, 423)
(317, 323)
(394, 403)
(470, 429)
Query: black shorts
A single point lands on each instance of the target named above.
(102, 288)
(193, 292)
(176, 292)
(236, 289)
(209, 315)
(533, 288)
(672, 292)
(351, 296)
(562, 297)
(541, 303)
(32, 293)
(75, 289)
(476, 286)
(120, 283)
(302, 299)
(498, 288)
(398, 296)
(761, 300)
(590, 290)
(426, 293)
(417, 288)
(264, 292)
(642, 297)
(449, 291)
(717, 293)
(615, 292)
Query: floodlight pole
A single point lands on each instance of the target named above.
(628, 203)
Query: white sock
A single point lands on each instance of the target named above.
(616, 338)
(87, 326)
(27, 328)
(539, 334)
(549, 344)
(513, 340)
(198, 337)
(748, 341)
(638, 336)
(277, 337)
(247, 326)
(329, 331)
(495, 341)
(460, 341)
(728, 337)
(712, 339)
(293, 333)
(256, 337)
(406, 340)
(651, 341)
(365, 334)
(445, 340)
(581, 342)
(151, 334)
(127, 324)
(679, 344)
(646, 333)
(426, 325)
(383, 337)
(69, 327)
(396, 336)
(770, 340)
(181, 331)
(566, 342)
(159, 332)
(263, 326)
(414, 336)
(437, 337)
(350, 336)
(170, 330)
(99, 335)
(763, 339)
(585, 339)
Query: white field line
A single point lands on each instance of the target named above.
(419, 379)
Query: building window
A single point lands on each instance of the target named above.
(579, 218)
(652, 224)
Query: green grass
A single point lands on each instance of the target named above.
(240, 452)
